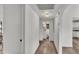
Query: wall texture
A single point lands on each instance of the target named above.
(31, 30)
(67, 25)
(51, 29)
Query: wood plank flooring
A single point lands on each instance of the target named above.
(72, 50)
(46, 47)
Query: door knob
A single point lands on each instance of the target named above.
(20, 40)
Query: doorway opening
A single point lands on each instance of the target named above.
(46, 46)
(75, 39)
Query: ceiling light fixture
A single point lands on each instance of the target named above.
(46, 12)
(46, 15)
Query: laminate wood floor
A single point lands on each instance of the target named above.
(72, 50)
(46, 47)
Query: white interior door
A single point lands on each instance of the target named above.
(12, 37)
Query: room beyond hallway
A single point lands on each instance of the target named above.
(46, 47)
(1, 44)
(1, 37)
(74, 49)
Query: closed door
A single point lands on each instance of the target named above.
(12, 28)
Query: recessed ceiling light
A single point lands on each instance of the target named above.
(46, 12)
(46, 15)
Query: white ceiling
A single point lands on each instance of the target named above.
(45, 6)
(46, 10)
(47, 13)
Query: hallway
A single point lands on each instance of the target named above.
(46, 47)
(25, 29)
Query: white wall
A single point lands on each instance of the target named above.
(51, 29)
(1, 15)
(57, 28)
(41, 29)
(12, 29)
(59, 9)
(67, 28)
(31, 30)
(56, 32)
(69, 13)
